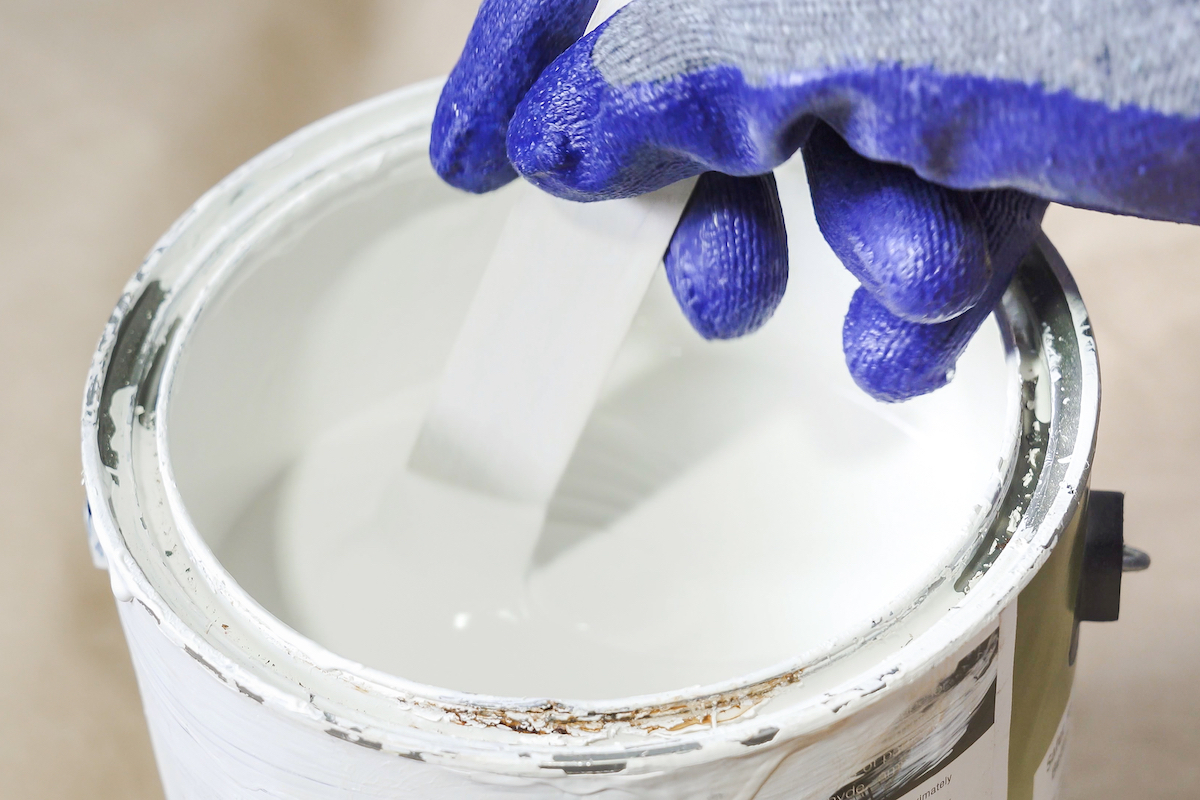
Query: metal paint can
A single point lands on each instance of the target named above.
(962, 692)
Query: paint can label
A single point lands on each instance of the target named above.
(1047, 781)
(945, 737)
(964, 770)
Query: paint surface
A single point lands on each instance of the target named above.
(730, 505)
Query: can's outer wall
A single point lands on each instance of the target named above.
(1042, 670)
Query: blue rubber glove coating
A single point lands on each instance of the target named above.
(939, 265)
(510, 45)
(894, 359)
(728, 262)
(578, 136)
(909, 116)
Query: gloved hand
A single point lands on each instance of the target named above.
(933, 131)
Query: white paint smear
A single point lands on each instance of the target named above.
(555, 303)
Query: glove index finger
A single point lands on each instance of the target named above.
(510, 44)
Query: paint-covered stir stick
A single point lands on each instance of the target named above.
(554, 305)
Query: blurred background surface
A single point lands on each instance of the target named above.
(115, 116)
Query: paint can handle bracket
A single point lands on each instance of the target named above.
(1105, 558)
(1134, 560)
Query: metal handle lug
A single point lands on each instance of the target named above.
(1134, 560)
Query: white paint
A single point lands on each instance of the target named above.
(544, 326)
(720, 514)
(553, 307)
(330, 726)
(731, 505)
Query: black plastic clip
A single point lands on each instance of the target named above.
(1099, 598)
(1105, 558)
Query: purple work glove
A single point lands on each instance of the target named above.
(933, 131)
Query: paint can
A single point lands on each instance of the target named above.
(204, 387)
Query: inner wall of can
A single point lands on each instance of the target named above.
(137, 346)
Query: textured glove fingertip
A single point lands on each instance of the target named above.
(468, 152)
(728, 262)
(893, 359)
(577, 136)
(509, 46)
(919, 248)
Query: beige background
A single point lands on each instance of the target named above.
(115, 116)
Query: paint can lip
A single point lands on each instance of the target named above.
(1052, 504)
